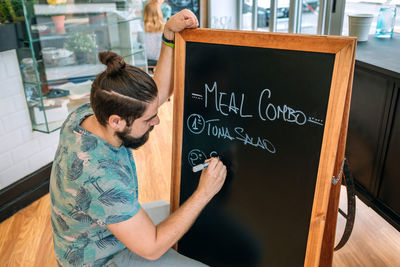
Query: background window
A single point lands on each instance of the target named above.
(309, 16)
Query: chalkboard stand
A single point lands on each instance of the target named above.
(319, 251)
(328, 242)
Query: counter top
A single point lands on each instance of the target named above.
(381, 55)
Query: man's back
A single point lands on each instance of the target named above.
(92, 184)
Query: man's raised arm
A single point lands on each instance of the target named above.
(164, 72)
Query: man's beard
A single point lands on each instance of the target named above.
(132, 142)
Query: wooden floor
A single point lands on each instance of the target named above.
(26, 237)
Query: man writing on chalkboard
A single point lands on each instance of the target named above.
(96, 217)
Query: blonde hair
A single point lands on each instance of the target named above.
(153, 18)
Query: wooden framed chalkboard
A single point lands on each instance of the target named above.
(274, 107)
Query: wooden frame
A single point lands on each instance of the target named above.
(320, 236)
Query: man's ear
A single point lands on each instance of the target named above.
(116, 123)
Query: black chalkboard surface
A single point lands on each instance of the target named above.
(263, 111)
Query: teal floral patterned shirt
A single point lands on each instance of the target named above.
(92, 184)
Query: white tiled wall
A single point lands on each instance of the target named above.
(22, 151)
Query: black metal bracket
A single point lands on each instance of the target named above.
(351, 205)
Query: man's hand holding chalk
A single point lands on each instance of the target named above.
(201, 166)
(212, 177)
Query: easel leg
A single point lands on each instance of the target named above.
(328, 241)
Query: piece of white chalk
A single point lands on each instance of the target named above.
(200, 166)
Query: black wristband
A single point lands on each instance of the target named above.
(166, 40)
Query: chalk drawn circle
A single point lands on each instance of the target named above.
(196, 157)
(214, 154)
(196, 123)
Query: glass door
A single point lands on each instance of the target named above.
(265, 13)
(247, 15)
(309, 16)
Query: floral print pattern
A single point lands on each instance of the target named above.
(92, 184)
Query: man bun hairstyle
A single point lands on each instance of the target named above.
(114, 62)
(121, 89)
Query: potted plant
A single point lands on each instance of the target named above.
(81, 44)
(59, 20)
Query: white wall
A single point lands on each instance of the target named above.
(21, 150)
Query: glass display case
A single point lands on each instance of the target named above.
(59, 60)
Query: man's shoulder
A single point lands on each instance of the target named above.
(71, 132)
(75, 118)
